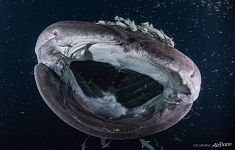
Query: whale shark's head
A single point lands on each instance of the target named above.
(114, 80)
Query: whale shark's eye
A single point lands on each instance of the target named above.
(114, 80)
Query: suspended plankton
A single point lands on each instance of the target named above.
(114, 80)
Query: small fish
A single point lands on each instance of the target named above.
(162, 148)
(177, 139)
(187, 117)
(146, 144)
(104, 143)
(83, 145)
(195, 113)
(156, 142)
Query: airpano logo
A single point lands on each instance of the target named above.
(214, 145)
(221, 144)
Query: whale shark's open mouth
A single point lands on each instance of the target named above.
(130, 88)
(114, 80)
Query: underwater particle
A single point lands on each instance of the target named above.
(105, 143)
(114, 80)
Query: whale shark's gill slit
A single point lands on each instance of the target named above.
(130, 88)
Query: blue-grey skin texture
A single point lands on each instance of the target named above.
(179, 75)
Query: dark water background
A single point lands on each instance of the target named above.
(202, 29)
